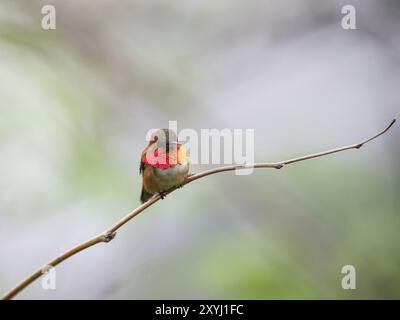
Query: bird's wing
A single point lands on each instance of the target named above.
(142, 163)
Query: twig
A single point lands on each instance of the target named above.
(109, 234)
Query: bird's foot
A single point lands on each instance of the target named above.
(162, 194)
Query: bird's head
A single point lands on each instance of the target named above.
(164, 139)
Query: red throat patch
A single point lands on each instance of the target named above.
(159, 159)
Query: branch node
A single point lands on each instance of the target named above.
(279, 166)
(108, 236)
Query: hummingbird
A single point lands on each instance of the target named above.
(163, 165)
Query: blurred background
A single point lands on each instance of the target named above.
(77, 102)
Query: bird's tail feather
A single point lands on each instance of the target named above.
(144, 196)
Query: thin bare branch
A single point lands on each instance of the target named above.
(109, 234)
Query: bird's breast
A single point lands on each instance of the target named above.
(157, 179)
